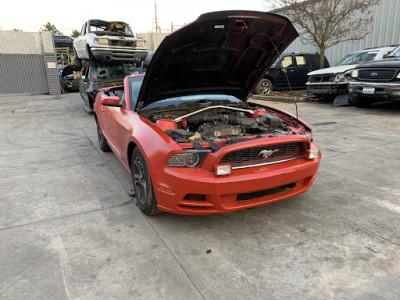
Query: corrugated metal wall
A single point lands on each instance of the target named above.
(27, 63)
(384, 31)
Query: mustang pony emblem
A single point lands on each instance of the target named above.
(267, 153)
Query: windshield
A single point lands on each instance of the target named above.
(135, 83)
(357, 58)
(99, 26)
(205, 100)
(394, 53)
(113, 71)
(274, 65)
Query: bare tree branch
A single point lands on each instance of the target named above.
(326, 23)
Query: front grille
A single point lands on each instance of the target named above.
(322, 78)
(376, 74)
(264, 155)
(122, 43)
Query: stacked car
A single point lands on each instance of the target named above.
(108, 51)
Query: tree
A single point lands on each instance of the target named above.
(75, 33)
(328, 22)
(50, 27)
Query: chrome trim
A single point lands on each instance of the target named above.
(119, 49)
(325, 83)
(267, 163)
(363, 83)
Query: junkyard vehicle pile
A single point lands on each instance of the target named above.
(107, 51)
(185, 131)
(108, 41)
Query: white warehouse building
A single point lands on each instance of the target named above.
(385, 30)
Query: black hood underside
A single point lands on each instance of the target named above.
(220, 53)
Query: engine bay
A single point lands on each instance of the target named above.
(221, 124)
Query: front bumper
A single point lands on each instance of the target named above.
(327, 88)
(120, 54)
(243, 188)
(382, 91)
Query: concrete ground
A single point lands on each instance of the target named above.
(69, 229)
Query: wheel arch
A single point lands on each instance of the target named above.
(269, 78)
(131, 146)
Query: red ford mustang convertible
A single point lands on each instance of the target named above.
(185, 131)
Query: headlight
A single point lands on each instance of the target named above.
(354, 73)
(313, 154)
(140, 43)
(341, 77)
(190, 159)
(103, 42)
(398, 76)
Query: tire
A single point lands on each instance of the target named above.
(77, 61)
(264, 87)
(91, 102)
(89, 53)
(360, 102)
(142, 185)
(102, 139)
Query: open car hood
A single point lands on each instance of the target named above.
(222, 52)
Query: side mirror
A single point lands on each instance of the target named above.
(111, 101)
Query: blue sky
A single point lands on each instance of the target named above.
(30, 15)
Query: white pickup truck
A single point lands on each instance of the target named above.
(108, 41)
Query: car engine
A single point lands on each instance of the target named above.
(219, 125)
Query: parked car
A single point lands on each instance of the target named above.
(108, 41)
(293, 65)
(98, 75)
(185, 131)
(69, 78)
(331, 82)
(63, 41)
(376, 81)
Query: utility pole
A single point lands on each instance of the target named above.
(155, 17)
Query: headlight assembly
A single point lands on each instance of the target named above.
(188, 159)
(99, 41)
(354, 73)
(341, 77)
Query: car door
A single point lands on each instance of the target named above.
(287, 71)
(303, 67)
(117, 127)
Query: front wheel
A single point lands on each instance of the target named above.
(77, 60)
(360, 102)
(142, 184)
(264, 87)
